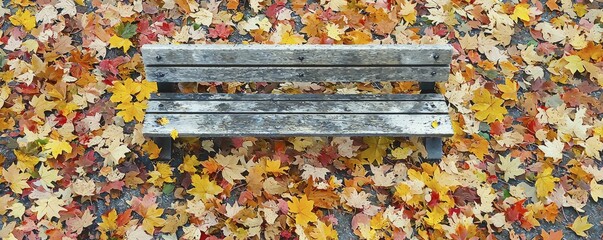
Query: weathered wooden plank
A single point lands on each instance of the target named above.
(292, 107)
(282, 125)
(297, 74)
(294, 97)
(220, 54)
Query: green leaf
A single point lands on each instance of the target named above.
(126, 31)
(506, 193)
(168, 188)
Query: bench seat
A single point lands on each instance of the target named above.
(270, 115)
(284, 115)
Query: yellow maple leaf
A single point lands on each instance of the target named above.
(324, 232)
(152, 219)
(274, 166)
(23, 18)
(118, 42)
(163, 121)
(174, 134)
(189, 164)
(333, 31)
(574, 63)
(521, 11)
(131, 110)
(509, 89)
(302, 207)
(488, 108)
(545, 182)
(402, 153)
(123, 90)
(57, 147)
(25, 161)
(161, 175)
(16, 179)
(580, 225)
(152, 149)
(146, 88)
(109, 221)
(377, 148)
(203, 188)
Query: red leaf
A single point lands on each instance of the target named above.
(221, 30)
(516, 211)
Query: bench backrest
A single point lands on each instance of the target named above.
(296, 63)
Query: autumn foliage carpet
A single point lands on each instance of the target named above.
(524, 91)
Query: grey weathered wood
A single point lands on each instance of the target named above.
(330, 107)
(371, 54)
(297, 74)
(282, 125)
(293, 97)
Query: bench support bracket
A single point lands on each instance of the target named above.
(165, 143)
(433, 145)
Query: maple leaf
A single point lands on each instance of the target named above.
(118, 42)
(324, 232)
(580, 225)
(232, 170)
(509, 89)
(48, 176)
(488, 107)
(333, 31)
(377, 149)
(510, 167)
(596, 190)
(521, 11)
(574, 63)
(552, 235)
(592, 147)
(25, 161)
(152, 149)
(545, 182)
(146, 88)
(189, 164)
(131, 111)
(49, 206)
(16, 179)
(552, 149)
(123, 90)
(152, 219)
(302, 207)
(23, 18)
(174, 134)
(274, 166)
(203, 188)
(108, 221)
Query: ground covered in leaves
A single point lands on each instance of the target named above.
(524, 90)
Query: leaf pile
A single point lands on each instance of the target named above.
(525, 91)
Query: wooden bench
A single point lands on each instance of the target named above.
(285, 115)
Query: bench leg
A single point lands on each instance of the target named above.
(433, 145)
(165, 143)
